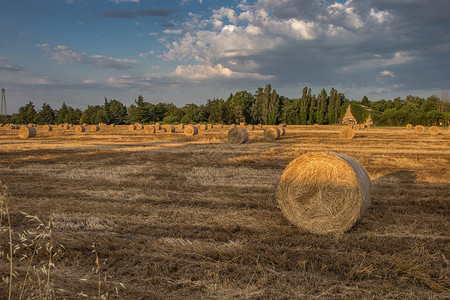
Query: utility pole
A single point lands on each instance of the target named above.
(3, 109)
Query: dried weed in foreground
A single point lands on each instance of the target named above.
(324, 192)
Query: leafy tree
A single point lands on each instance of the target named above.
(321, 107)
(305, 103)
(46, 115)
(244, 100)
(62, 114)
(312, 110)
(218, 111)
(27, 114)
(116, 112)
(273, 110)
(365, 101)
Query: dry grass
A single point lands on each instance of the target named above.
(176, 217)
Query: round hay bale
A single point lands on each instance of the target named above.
(324, 192)
(356, 127)
(181, 126)
(237, 136)
(26, 132)
(158, 126)
(220, 126)
(163, 129)
(259, 125)
(47, 128)
(242, 124)
(346, 133)
(169, 128)
(95, 128)
(316, 125)
(132, 127)
(139, 126)
(80, 129)
(282, 130)
(203, 127)
(17, 126)
(409, 126)
(233, 126)
(150, 129)
(284, 125)
(362, 126)
(190, 130)
(210, 126)
(250, 127)
(419, 129)
(433, 130)
(368, 126)
(272, 133)
(12, 127)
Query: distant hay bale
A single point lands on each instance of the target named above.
(282, 124)
(16, 127)
(356, 127)
(282, 130)
(181, 126)
(203, 127)
(324, 192)
(80, 129)
(409, 126)
(12, 127)
(272, 133)
(112, 125)
(158, 126)
(433, 130)
(346, 133)
(220, 126)
(250, 127)
(237, 136)
(95, 128)
(242, 124)
(190, 130)
(139, 126)
(368, 126)
(132, 127)
(163, 129)
(26, 132)
(259, 126)
(362, 126)
(316, 125)
(210, 126)
(419, 129)
(169, 128)
(150, 129)
(47, 128)
(233, 126)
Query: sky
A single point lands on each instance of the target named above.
(189, 51)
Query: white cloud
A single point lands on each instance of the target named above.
(121, 1)
(89, 81)
(387, 73)
(195, 72)
(173, 31)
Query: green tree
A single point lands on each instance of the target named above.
(312, 110)
(46, 115)
(116, 112)
(27, 114)
(321, 107)
(62, 113)
(305, 103)
(273, 111)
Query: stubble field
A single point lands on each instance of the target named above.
(130, 215)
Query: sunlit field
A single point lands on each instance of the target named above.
(131, 215)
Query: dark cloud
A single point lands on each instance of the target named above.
(127, 14)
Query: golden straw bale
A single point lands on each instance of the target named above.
(190, 130)
(169, 128)
(158, 126)
(419, 129)
(132, 127)
(12, 127)
(203, 127)
(139, 126)
(282, 124)
(433, 130)
(163, 129)
(356, 127)
(409, 126)
(324, 192)
(282, 130)
(250, 127)
(362, 126)
(220, 126)
(233, 126)
(181, 126)
(47, 128)
(237, 136)
(346, 133)
(316, 125)
(95, 128)
(259, 126)
(272, 133)
(80, 128)
(210, 126)
(242, 124)
(150, 129)
(27, 132)
(368, 126)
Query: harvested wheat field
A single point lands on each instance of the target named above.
(133, 215)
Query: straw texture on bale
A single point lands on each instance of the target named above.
(158, 126)
(316, 125)
(433, 130)
(181, 126)
(210, 126)
(139, 126)
(169, 128)
(419, 129)
(220, 126)
(346, 133)
(237, 136)
(95, 128)
(132, 127)
(150, 129)
(80, 129)
(190, 130)
(356, 127)
(26, 132)
(282, 130)
(409, 126)
(250, 127)
(47, 128)
(367, 126)
(259, 126)
(272, 133)
(203, 127)
(324, 192)
(242, 124)
(362, 126)
(12, 127)
(233, 126)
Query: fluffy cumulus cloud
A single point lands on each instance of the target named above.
(64, 55)
(321, 42)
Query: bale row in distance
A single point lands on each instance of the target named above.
(346, 133)
(26, 132)
(190, 130)
(272, 133)
(80, 129)
(169, 128)
(324, 192)
(47, 128)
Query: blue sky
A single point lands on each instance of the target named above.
(188, 51)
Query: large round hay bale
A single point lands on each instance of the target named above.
(132, 127)
(272, 133)
(26, 132)
(409, 126)
(250, 127)
(237, 136)
(47, 128)
(282, 130)
(158, 126)
(433, 130)
(190, 130)
(95, 128)
(419, 129)
(80, 129)
(203, 127)
(324, 192)
(180, 126)
(169, 128)
(150, 129)
(346, 133)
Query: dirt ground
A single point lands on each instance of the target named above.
(130, 215)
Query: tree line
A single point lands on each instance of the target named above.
(265, 107)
